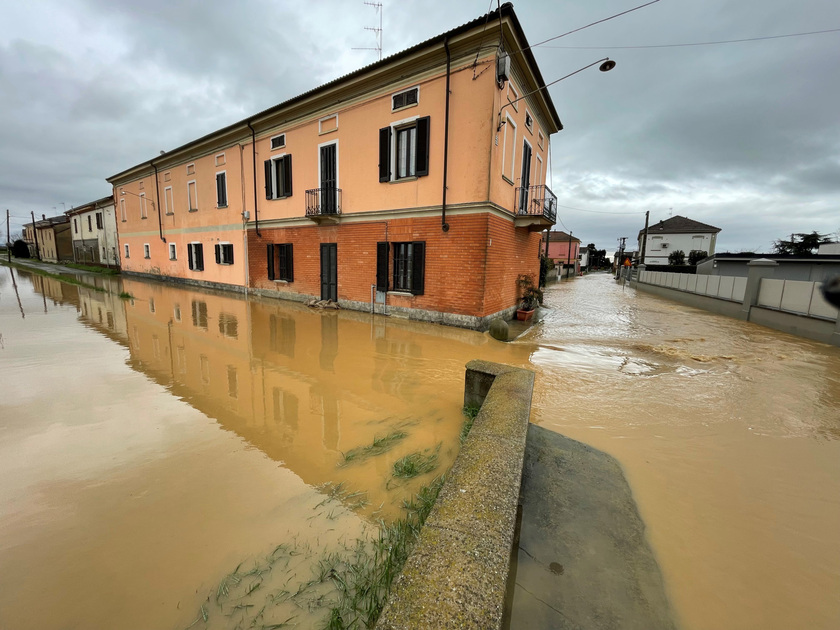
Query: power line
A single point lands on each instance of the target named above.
(723, 41)
(597, 211)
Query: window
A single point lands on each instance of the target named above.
(122, 209)
(281, 262)
(404, 150)
(278, 142)
(190, 169)
(104, 255)
(509, 149)
(221, 190)
(224, 253)
(199, 314)
(75, 227)
(177, 312)
(541, 140)
(278, 177)
(405, 98)
(143, 212)
(167, 176)
(195, 255)
(229, 325)
(172, 252)
(220, 159)
(233, 382)
(146, 251)
(328, 124)
(126, 250)
(168, 201)
(282, 335)
(529, 121)
(90, 223)
(99, 223)
(407, 262)
(513, 95)
(204, 368)
(192, 196)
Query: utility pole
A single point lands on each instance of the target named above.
(619, 257)
(569, 254)
(644, 240)
(35, 234)
(8, 237)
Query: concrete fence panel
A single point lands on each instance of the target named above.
(727, 283)
(702, 283)
(673, 280)
(821, 308)
(713, 286)
(739, 289)
(691, 285)
(796, 296)
(770, 292)
(683, 281)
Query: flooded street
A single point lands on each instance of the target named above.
(150, 446)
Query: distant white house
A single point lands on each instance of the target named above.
(829, 248)
(94, 230)
(677, 233)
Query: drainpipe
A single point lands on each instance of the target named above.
(254, 153)
(157, 192)
(443, 224)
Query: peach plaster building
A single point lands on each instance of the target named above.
(414, 186)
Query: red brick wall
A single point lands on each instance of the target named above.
(512, 252)
(455, 260)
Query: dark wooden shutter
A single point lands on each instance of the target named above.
(230, 253)
(382, 266)
(200, 251)
(418, 267)
(270, 259)
(269, 191)
(218, 254)
(190, 256)
(219, 201)
(422, 157)
(287, 175)
(385, 154)
(290, 266)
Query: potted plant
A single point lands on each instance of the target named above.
(531, 297)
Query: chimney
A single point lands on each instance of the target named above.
(43, 217)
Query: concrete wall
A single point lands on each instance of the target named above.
(806, 270)
(796, 307)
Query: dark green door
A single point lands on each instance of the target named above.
(329, 272)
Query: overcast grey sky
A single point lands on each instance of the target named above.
(744, 136)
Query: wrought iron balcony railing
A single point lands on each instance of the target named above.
(536, 201)
(323, 201)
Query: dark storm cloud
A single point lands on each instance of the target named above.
(743, 136)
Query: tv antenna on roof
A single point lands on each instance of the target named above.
(378, 31)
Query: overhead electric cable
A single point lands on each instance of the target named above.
(723, 41)
(597, 211)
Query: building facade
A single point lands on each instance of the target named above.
(676, 234)
(49, 239)
(564, 251)
(94, 232)
(415, 186)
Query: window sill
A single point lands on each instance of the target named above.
(147, 257)
(404, 107)
(143, 218)
(504, 177)
(193, 210)
(279, 198)
(401, 293)
(279, 281)
(169, 214)
(329, 131)
(225, 264)
(224, 206)
(413, 178)
(172, 259)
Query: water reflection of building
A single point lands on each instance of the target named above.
(277, 375)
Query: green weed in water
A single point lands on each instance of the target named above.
(469, 414)
(377, 447)
(416, 464)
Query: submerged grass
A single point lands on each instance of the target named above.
(469, 414)
(416, 464)
(58, 276)
(107, 271)
(377, 447)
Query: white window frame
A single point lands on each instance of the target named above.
(541, 140)
(509, 123)
(514, 102)
(337, 162)
(531, 167)
(167, 176)
(530, 127)
(224, 172)
(191, 168)
(222, 161)
(275, 189)
(538, 169)
(221, 252)
(321, 122)
(193, 244)
(173, 252)
(396, 126)
(195, 184)
(409, 89)
(147, 251)
(169, 200)
(144, 210)
(127, 250)
(279, 146)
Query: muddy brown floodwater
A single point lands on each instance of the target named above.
(149, 447)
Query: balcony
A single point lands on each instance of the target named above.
(536, 208)
(323, 205)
